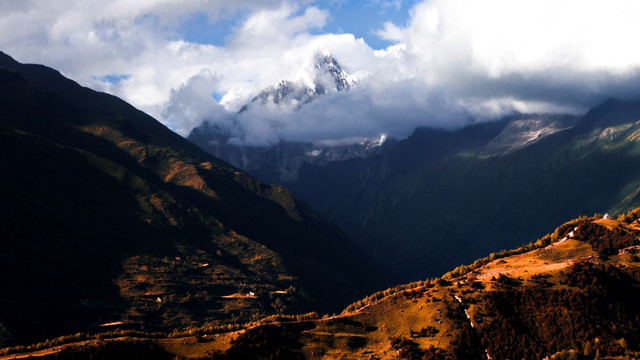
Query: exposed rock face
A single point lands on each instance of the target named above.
(520, 133)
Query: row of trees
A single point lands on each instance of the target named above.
(604, 241)
(544, 241)
(598, 314)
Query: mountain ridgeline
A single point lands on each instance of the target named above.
(110, 219)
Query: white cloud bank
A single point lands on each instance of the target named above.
(454, 61)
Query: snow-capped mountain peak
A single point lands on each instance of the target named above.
(328, 68)
(328, 78)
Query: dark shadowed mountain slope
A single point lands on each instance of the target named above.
(107, 216)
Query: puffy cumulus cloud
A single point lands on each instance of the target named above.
(135, 42)
(271, 45)
(453, 62)
(87, 30)
(569, 52)
(342, 118)
(133, 50)
(192, 103)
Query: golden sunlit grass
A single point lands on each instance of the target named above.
(608, 223)
(198, 347)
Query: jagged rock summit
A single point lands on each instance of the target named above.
(327, 77)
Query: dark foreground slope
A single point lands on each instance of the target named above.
(572, 294)
(441, 198)
(106, 216)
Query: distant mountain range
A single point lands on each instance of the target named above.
(440, 198)
(279, 163)
(112, 221)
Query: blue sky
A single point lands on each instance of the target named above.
(197, 28)
(360, 18)
(363, 18)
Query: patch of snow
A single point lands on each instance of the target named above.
(374, 142)
(613, 132)
(519, 134)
